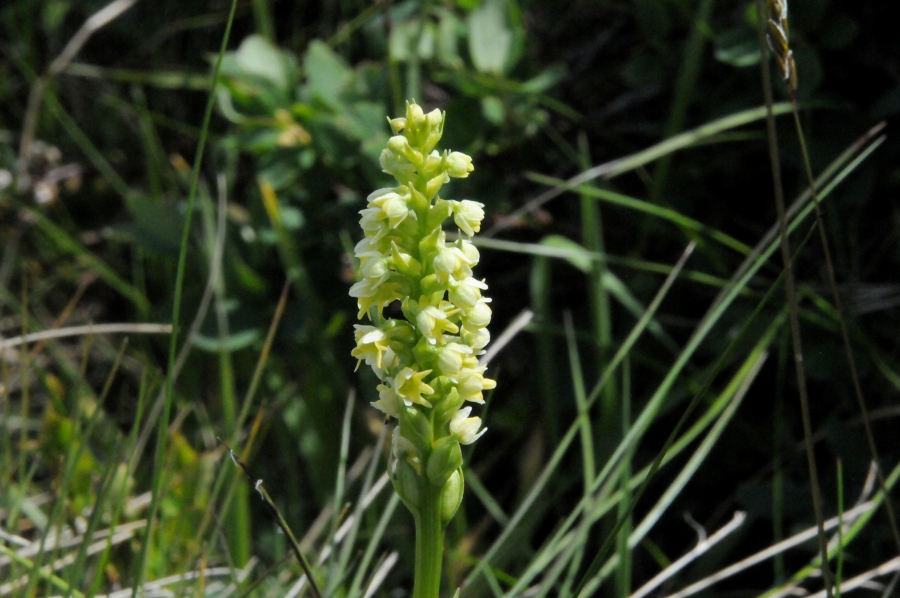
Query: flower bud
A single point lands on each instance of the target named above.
(399, 145)
(445, 458)
(405, 263)
(375, 269)
(416, 428)
(434, 120)
(433, 129)
(471, 383)
(434, 185)
(447, 408)
(452, 262)
(467, 292)
(434, 165)
(406, 484)
(479, 315)
(451, 496)
(477, 338)
(459, 165)
(433, 322)
(392, 203)
(469, 250)
(415, 115)
(372, 222)
(397, 166)
(450, 358)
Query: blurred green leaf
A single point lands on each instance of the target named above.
(156, 226)
(579, 256)
(292, 218)
(53, 13)
(229, 344)
(413, 38)
(543, 82)
(738, 47)
(257, 56)
(447, 37)
(490, 38)
(492, 107)
(280, 170)
(327, 75)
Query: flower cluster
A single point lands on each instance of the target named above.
(427, 361)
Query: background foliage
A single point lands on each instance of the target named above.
(90, 228)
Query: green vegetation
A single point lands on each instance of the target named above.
(180, 187)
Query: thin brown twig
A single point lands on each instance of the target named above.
(842, 323)
(791, 294)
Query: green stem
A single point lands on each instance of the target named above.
(429, 542)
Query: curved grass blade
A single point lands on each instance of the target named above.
(619, 166)
(276, 515)
(791, 296)
(575, 428)
(163, 424)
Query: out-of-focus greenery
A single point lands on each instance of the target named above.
(92, 205)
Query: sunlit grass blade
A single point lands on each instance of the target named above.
(644, 207)
(734, 394)
(573, 254)
(368, 491)
(340, 563)
(43, 573)
(145, 390)
(574, 428)
(597, 502)
(619, 166)
(356, 583)
(751, 264)
(858, 517)
(73, 461)
(587, 447)
(855, 520)
(842, 323)
(163, 425)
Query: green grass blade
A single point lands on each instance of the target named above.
(574, 429)
(614, 168)
(644, 207)
(163, 424)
